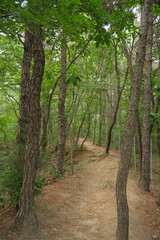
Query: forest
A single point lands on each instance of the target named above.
(78, 78)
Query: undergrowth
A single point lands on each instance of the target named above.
(11, 179)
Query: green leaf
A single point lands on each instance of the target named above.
(97, 44)
(74, 80)
(2, 199)
(37, 192)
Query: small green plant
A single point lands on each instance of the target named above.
(10, 179)
(58, 175)
(54, 173)
(42, 159)
(40, 182)
(158, 177)
(79, 148)
(2, 200)
(158, 213)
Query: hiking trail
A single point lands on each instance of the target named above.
(83, 206)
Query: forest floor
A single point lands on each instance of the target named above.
(83, 206)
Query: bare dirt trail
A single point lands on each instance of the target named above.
(83, 206)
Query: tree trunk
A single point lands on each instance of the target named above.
(76, 102)
(44, 127)
(139, 136)
(109, 134)
(88, 130)
(119, 94)
(26, 215)
(145, 179)
(79, 130)
(122, 176)
(94, 128)
(100, 120)
(84, 117)
(24, 101)
(61, 112)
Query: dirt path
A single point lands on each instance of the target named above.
(83, 206)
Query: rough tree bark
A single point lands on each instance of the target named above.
(122, 176)
(61, 112)
(145, 178)
(44, 139)
(24, 101)
(95, 128)
(26, 219)
(100, 120)
(139, 136)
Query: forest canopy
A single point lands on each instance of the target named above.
(71, 69)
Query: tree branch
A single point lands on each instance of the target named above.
(56, 82)
(5, 16)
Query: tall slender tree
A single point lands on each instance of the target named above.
(25, 218)
(24, 100)
(61, 111)
(145, 179)
(122, 175)
(100, 119)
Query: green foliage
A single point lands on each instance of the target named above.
(2, 202)
(51, 170)
(158, 214)
(103, 37)
(10, 62)
(10, 179)
(79, 149)
(41, 180)
(156, 8)
(8, 126)
(58, 176)
(75, 80)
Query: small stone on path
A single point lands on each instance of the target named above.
(155, 237)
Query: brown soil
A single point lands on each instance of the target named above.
(83, 206)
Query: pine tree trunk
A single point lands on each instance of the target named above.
(94, 128)
(44, 128)
(139, 136)
(24, 101)
(61, 113)
(145, 179)
(100, 120)
(26, 215)
(122, 176)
